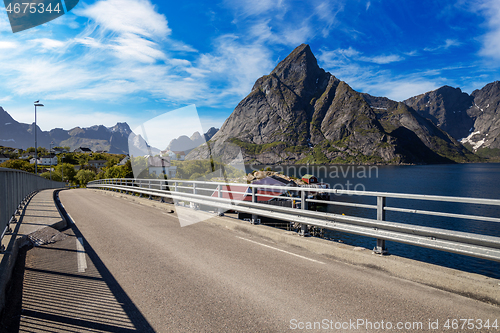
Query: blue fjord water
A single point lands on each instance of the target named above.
(463, 180)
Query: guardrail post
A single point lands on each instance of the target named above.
(149, 187)
(162, 182)
(255, 218)
(220, 211)
(176, 202)
(303, 205)
(380, 248)
(193, 205)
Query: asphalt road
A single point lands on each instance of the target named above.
(205, 278)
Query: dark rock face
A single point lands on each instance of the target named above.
(19, 135)
(301, 114)
(474, 119)
(447, 108)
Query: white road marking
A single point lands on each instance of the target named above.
(80, 255)
(274, 248)
(71, 221)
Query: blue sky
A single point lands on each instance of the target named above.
(132, 60)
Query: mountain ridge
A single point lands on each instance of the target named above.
(301, 114)
(98, 137)
(473, 119)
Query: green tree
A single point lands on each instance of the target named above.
(114, 172)
(19, 165)
(69, 171)
(54, 176)
(67, 158)
(112, 161)
(85, 176)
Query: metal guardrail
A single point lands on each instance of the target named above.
(212, 194)
(16, 187)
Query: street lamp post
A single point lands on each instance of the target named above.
(36, 148)
(62, 168)
(50, 154)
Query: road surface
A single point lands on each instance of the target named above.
(205, 278)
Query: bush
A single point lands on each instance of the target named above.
(85, 176)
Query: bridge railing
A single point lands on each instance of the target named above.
(16, 187)
(245, 198)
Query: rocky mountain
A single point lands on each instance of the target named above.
(301, 114)
(474, 119)
(186, 144)
(18, 135)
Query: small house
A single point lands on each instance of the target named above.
(161, 165)
(59, 150)
(50, 159)
(28, 156)
(83, 150)
(98, 164)
(309, 179)
(180, 155)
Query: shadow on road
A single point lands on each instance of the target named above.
(52, 292)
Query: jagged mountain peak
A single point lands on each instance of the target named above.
(299, 71)
(5, 117)
(123, 128)
(300, 60)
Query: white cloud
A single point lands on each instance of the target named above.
(371, 79)
(491, 40)
(133, 32)
(238, 63)
(138, 17)
(443, 46)
(8, 45)
(49, 44)
(273, 32)
(327, 11)
(382, 60)
(341, 55)
(246, 8)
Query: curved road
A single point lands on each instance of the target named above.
(205, 278)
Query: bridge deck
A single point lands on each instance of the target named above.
(141, 271)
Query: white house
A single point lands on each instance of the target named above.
(161, 165)
(48, 160)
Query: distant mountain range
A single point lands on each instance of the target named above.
(301, 114)
(474, 119)
(186, 144)
(114, 139)
(18, 135)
